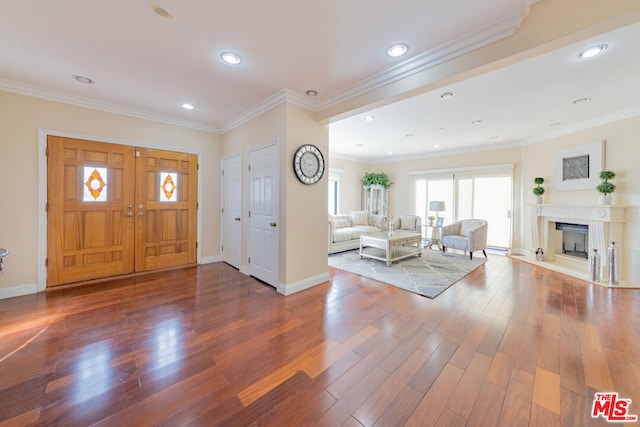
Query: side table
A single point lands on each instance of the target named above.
(432, 235)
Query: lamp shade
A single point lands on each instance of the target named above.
(436, 206)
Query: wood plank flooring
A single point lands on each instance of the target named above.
(511, 344)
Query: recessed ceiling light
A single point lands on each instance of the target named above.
(369, 118)
(231, 58)
(188, 106)
(359, 145)
(83, 79)
(593, 51)
(397, 50)
(476, 122)
(447, 95)
(436, 146)
(390, 153)
(581, 100)
(440, 129)
(311, 92)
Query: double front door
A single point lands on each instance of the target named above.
(115, 209)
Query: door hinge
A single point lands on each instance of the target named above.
(46, 152)
(222, 210)
(197, 166)
(46, 262)
(249, 168)
(46, 207)
(249, 214)
(222, 172)
(221, 248)
(249, 260)
(196, 245)
(197, 205)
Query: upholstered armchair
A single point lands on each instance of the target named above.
(466, 235)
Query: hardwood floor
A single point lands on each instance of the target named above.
(511, 344)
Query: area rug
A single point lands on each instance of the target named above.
(428, 275)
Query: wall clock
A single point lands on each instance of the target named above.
(308, 164)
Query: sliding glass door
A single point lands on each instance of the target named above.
(481, 193)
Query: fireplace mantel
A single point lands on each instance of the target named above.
(606, 224)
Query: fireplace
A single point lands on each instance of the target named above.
(568, 234)
(575, 239)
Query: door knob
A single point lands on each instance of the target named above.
(273, 224)
(130, 207)
(129, 213)
(140, 206)
(140, 213)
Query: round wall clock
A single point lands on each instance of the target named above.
(308, 164)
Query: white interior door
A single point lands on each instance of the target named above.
(232, 210)
(263, 214)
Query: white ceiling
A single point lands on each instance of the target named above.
(146, 65)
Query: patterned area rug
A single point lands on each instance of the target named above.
(428, 275)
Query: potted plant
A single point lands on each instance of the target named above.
(430, 219)
(538, 191)
(373, 178)
(606, 187)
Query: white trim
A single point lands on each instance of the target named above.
(18, 291)
(464, 169)
(42, 191)
(80, 101)
(301, 285)
(211, 259)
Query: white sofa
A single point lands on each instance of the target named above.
(345, 230)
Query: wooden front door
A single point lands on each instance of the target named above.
(115, 209)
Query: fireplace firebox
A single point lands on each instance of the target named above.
(575, 239)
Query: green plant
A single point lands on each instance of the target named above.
(372, 178)
(538, 191)
(606, 187)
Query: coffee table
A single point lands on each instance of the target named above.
(401, 244)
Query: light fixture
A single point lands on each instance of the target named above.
(440, 129)
(159, 10)
(359, 145)
(83, 79)
(397, 50)
(188, 106)
(593, 51)
(231, 58)
(437, 206)
(390, 153)
(556, 124)
(581, 100)
(311, 92)
(476, 122)
(368, 118)
(436, 146)
(409, 135)
(493, 138)
(446, 95)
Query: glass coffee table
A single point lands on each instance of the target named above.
(384, 247)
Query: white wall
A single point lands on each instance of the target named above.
(20, 119)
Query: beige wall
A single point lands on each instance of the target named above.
(20, 119)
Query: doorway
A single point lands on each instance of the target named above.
(114, 209)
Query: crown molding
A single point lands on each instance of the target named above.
(474, 40)
(80, 101)
(278, 98)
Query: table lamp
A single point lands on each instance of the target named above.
(436, 206)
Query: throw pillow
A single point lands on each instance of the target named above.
(359, 218)
(467, 226)
(408, 222)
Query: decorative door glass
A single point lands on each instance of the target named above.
(168, 187)
(95, 184)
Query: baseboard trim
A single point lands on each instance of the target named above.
(300, 285)
(520, 251)
(18, 291)
(211, 259)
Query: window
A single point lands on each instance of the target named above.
(168, 187)
(481, 192)
(334, 191)
(95, 184)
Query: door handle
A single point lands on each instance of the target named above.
(237, 219)
(272, 225)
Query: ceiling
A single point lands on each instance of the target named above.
(147, 65)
